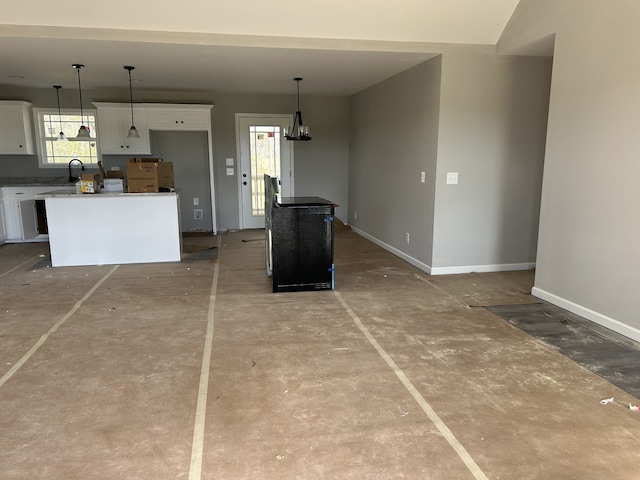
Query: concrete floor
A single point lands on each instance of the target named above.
(195, 370)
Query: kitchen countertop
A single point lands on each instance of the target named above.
(35, 182)
(72, 194)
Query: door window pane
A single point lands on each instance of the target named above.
(264, 142)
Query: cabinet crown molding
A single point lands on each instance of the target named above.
(164, 106)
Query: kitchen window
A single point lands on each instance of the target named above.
(54, 153)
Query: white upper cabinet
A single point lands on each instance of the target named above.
(179, 117)
(16, 134)
(114, 121)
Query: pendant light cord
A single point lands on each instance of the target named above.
(78, 67)
(58, 87)
(130, 94)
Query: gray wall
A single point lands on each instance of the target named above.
(466, 111)
(394, 131)
(189, 153)
(588, 256)
(320, 166)
(493, 114)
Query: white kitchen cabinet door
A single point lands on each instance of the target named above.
(180, 117)
(28, 219)
(3, 228)
(11, 197)
(113, 127)
(16, 133)
(20, 212)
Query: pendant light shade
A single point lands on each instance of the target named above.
(133, 132)
(61, 136)
(83, 132)
(299, 131)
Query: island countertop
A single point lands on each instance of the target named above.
(73, 194)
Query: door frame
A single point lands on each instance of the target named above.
(284, 116)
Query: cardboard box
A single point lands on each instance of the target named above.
(114, 174)
(90, 183)
(147, 175)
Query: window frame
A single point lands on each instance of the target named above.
(41, 147)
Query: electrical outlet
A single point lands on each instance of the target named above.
(196, 201)
(197, 214)
(452, 178)
(407, 234)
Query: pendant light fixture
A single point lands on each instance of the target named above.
(83, 132)
(133, 132)
(299, 131)
(61, 136)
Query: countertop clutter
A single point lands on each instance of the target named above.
(24, 209)
(143, 175)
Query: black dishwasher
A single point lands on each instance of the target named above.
(301, 230)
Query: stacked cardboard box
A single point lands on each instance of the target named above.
(147, 175)
(113, 180)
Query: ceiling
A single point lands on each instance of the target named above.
(177, 53)
(237, 69)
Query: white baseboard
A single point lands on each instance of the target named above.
(508, 267)
(501, 267)
(600, 319)
(416, 263)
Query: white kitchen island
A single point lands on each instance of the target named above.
(113, 228)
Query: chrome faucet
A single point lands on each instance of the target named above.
(71, 177)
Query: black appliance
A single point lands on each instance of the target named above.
(299, 237)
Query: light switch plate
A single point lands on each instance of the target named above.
(230, 171)
(229, 162)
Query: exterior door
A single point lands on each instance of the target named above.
(261, 149)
